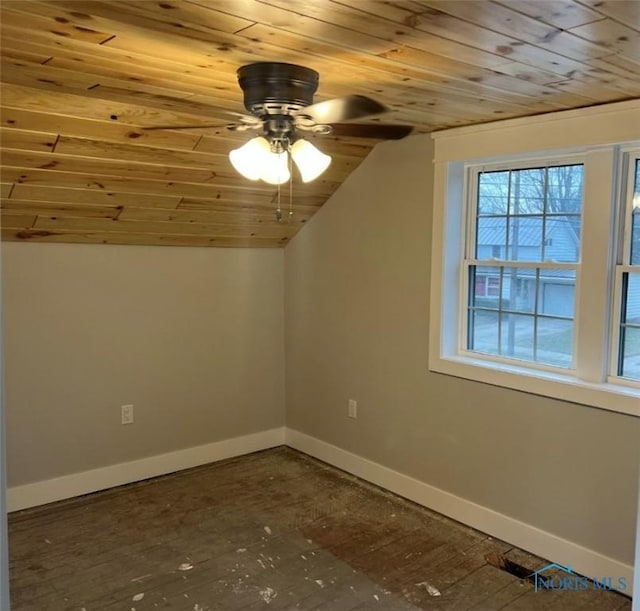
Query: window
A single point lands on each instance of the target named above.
(627, 348)
(525, 308)
(536, 256)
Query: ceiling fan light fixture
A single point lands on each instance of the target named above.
(250, 159)
(274, 168)
(310, 161)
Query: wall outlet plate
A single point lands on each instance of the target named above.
(353, 408)
(127, 414)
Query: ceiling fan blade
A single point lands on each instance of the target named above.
(342, 109)
(371, 130)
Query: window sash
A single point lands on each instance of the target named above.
(472, 174)
(469, 259)
(535, 317)
(593, 312)
(626, 188)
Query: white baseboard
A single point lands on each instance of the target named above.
(539, 542)
(67, 486)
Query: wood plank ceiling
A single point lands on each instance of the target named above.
(81, 78)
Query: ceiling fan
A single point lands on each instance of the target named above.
(279, 98)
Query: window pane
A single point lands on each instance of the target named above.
(493, 193)
(635, 234)
(483, 336)
(629, 360)
(492, 233)
(562, 238)
(518, 289)
(631, 353)
(527, 194)
(554, 342)
(485, 287)
(564, 191)
(516, 337)
(556, 292)
(525, 238)
(632, 300)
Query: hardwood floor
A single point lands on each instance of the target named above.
(270, 530)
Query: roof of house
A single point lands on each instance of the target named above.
(492, 230)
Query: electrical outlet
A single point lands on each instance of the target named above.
(127, 414)
(353, 408)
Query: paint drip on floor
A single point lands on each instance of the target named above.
(268, 594)
(431, 590)
(141, 577)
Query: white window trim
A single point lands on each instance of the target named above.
(594, 387)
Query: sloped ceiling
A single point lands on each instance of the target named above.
(80, 79)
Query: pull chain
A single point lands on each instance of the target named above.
(278, 209)
(290, 187)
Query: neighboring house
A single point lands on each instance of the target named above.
(529, 239)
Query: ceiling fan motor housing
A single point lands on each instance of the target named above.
(276, 88)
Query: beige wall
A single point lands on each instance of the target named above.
(356, 302)
(192, 337)
(4, 552)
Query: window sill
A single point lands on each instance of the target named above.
(608, 396)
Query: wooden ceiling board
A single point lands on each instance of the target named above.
(563, 14)
(626, 12)
(95, 196)
(81, 79)
(16, 206)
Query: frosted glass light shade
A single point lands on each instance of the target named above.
(256, 161)
(274, 168)
(310, 161)
(250, 158)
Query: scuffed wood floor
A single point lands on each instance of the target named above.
(271, 530)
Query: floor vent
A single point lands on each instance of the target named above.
(504, 564)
